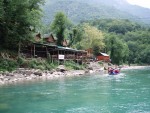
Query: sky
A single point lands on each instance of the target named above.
(143, 3)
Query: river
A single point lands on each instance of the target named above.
(128, 92)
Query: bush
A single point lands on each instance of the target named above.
(8, 64)
(42, 64)
(21, 62)
(73, 65)
(36, 64)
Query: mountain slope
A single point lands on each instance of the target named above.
(80, 10)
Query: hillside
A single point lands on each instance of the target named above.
(80, 10)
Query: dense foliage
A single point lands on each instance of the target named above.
(93, 38)
(72, 65)
(117, 48)
(125, 41)
(138, 43)
(82, 36)
(81, 10)
(59, 25)
(18, 19)
(7, 64)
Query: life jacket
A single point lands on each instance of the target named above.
(116, 71)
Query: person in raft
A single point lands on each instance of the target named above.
(112, 71)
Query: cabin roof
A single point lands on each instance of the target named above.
(104, 54)
(48, 35)
(48, 45)
(70, 49)
(60, 47)
(35, 34)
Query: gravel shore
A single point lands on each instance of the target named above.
(22, 74)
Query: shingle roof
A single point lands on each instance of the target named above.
(104, 54)
(49, 34)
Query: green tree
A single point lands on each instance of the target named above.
(118, 49)
(138, 41)
(76, 35)
(96, 50)
(59, 25)
(124, 35)
(16, 21)
(93, 38)
(145, 55)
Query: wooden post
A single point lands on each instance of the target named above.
(86, 57)
(75, 56)
(52, 57)
(64, 56)
(46, 52)
(31, 50)
(34, 51)
(82, 58)
(58, 57)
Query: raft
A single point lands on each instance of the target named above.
(113, 71)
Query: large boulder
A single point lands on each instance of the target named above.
(61, 68)
(38, 73)
(90, 68)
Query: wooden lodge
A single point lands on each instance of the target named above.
(54, 52)
(48, 49)
(37, 37)
(103, 57)
(49, 38)
(65, 43)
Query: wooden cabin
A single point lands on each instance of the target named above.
(37, 37)
(49, 49)
(54, 52)
(49, 38)
(103, 57)
(65, 43)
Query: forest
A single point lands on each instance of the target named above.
(127, 42)
(95, 9)
(132, 37)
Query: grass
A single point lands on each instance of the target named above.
(75, 66)
(34, 63)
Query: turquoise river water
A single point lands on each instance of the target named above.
(128, 92)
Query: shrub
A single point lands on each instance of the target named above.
(73, 65)
(8, 64)
(21, 61)
(42, 64)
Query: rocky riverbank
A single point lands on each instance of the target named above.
(22, 74)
